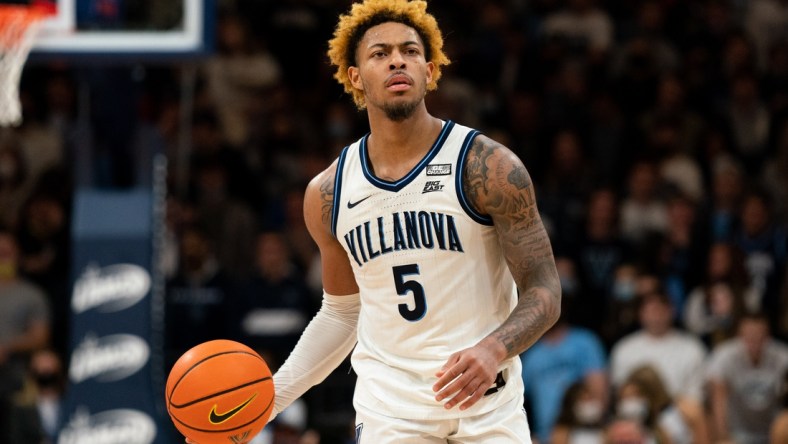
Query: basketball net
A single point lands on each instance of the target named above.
(18, 27)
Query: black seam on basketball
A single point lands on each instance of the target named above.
(268, 407)
(213, 395)
(241, 352)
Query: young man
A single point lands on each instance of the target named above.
(427, 230)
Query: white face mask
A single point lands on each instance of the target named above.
(633, 408)
(588, 412)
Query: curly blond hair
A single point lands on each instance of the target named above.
(351, 28)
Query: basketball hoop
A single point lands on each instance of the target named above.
(18, 27)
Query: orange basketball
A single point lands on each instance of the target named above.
(220, 392)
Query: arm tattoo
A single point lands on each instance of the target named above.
(497, 184)
(327, 198)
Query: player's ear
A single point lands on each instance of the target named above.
(430, 69)
(355, 78)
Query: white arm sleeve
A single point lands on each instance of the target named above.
(325, 343)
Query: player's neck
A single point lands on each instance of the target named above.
(396, 146)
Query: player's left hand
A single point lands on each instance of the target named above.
(468, 374)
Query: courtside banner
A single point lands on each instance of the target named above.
(115, 348)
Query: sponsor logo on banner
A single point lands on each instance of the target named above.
(120, 426)
(107, 359)
(110, 289)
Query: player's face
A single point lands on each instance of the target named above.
(392, 69)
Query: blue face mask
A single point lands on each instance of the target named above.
(624, 290)
(568, 285)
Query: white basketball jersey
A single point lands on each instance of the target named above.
(431, 273)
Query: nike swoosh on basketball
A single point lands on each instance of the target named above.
(216, 418)
(353, 204)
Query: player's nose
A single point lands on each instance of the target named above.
(397, 61)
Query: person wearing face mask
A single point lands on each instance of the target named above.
(643, 397)
(46, 370)
(581, 418)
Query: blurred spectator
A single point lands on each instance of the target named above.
(670, 104)
(582, 27)
(198, 297)
(44, 243)
(242, 66)
(767, 22)
(765, 247)
(226, 220)
(597, 255)
(678, 357)
(745, 375)
(779, 429)
(644, 397)
(566, 184)
(679, 254)
(720, 212)
(14, 184)
(676, 167)
(581, 418)
(713, 307)
(49, 379)
(750, 122)
(274, 305)
(774, 178)
(564, 355)
(24, 328)
(642, 211)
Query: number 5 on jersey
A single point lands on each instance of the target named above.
(410, 286)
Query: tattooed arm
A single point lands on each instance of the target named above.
(497, 184)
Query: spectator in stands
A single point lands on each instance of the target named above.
(564, 355)
(677, 356)
(14, 184)
(226, 219)
(597, 255)
(765, 247)
(585, 29)
(24, 327)
(49, 379)
(679, 255)
(198, 297)
(581, 418)
(643, 212)
(745, 375)
(242, 67)
(750, 122)
(720, 212)
(713, 307)
(44, 244)
(274, 305)
(774, 179)
(779, 430)
(678, 421)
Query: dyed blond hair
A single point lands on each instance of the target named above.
(351, 28)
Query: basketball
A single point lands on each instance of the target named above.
(220, 392)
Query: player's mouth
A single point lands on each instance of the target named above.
(399, 82)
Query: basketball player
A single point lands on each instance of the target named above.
(427, 230)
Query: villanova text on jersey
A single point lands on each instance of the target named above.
(410, 230)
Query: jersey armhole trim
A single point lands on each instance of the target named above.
(464, 203)
(337, 190)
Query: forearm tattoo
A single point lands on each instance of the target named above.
(497, 183)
